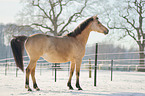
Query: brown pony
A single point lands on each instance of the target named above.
(60, 49)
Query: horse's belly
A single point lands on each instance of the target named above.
(55, 58)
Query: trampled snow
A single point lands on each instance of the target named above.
(123, 84)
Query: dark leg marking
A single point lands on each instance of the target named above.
(69, 83)
(27, 80)
(72, 73)
(34, 80)
(27, 86)
(77, 82)
(36, 87)
(78, 74)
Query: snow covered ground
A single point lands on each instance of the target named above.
(123, 84)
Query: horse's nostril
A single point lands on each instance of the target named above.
(106, 32)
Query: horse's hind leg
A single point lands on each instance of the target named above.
(71, 74)
(34, 80)
(29, 69)
(27, 79)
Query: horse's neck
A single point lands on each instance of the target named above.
(83, 37)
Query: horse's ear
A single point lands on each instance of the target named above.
(95, 17)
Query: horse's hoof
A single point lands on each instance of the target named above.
(80, 88)
(29, 89)
(71, 88)
(37, 89)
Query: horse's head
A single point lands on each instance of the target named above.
(97, 26)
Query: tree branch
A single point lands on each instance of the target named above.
(45, 13)
(52, 5)
(114, 26)
(129, 33)
(60, 5)
(132, 24)
(71, 18)
(46, 27)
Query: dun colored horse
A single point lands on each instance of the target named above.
(60, 49)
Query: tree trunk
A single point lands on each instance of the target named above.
(141, 57)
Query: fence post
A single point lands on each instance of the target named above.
(17, 71)
(68, 67)
(95, 69)
(55, 71)
(111, 69)
(6, 66)
(90, 68)
(6, 69)
(52, 68)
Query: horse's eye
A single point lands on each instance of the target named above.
(97, 18)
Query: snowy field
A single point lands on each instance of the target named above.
(123, 84)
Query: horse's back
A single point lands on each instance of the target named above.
(52, 49)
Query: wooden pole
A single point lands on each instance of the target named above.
(6, 69)
(111, 69)
(68, 67)
(95, 69)
(90, 68)
(55, 71)
(17, 71)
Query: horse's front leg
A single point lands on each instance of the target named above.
(71, 74)
(78, 65)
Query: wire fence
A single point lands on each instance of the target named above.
(9, 64)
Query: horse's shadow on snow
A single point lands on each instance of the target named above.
(89, 93)
(83, 93)
(73, 92)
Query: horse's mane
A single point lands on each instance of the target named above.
(80, 28)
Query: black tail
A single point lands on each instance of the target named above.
(17, 45)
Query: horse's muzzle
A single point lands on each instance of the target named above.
(106, 32)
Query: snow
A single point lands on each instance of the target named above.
(123, 84)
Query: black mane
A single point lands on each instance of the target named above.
(80, 28)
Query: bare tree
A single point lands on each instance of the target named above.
(48, 15)
(11, 30)
(131, 17)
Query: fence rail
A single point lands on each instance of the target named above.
(10, 61)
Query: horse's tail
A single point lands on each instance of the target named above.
(17, 45)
